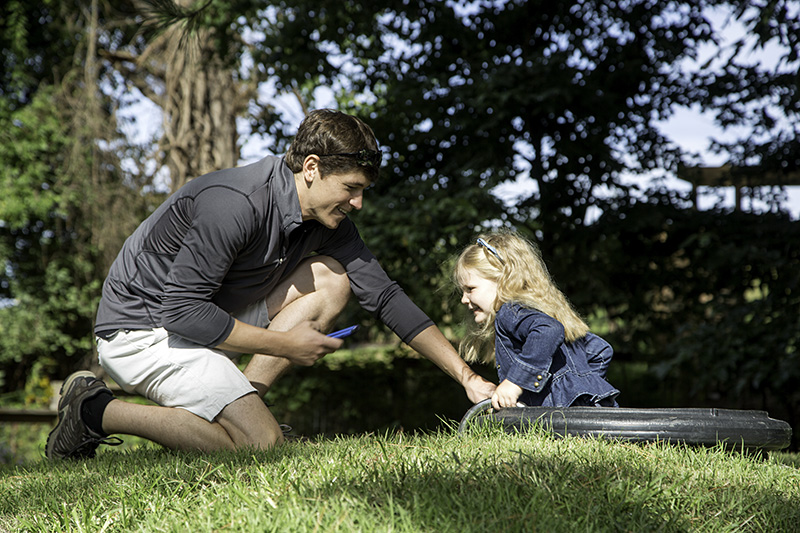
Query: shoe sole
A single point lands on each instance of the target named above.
(68, 383)
(62, 408)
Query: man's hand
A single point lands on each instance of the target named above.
(302, 345)
(478, 389)
(305, 345)
(506, 395)
(433, 345)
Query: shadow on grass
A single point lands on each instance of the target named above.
(429, 484)
(525, 492)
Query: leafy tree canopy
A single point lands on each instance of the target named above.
(466, 96)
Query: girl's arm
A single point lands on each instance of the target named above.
(526, 342)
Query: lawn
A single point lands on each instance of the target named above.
(485, 480)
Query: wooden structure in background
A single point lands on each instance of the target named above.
(736, 177)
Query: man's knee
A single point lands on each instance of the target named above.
(320, 275)
(260, 441)
(330, 276)
(250, 424)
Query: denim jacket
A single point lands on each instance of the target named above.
(531, 352)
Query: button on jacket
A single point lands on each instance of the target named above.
(531, 352)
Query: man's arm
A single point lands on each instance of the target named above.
(302, 345)
(435, 347)
(384, 298)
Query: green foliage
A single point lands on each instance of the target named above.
(48, 277)
(464, 97)
(761, 96)
(36, 42)
(709, 299)
(366, 389)
(30, 141)
(66, 201)
(746, 323)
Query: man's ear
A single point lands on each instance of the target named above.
(310, 168)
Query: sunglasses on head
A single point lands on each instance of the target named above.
(364, 158)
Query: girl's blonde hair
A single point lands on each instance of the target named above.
(521, 277)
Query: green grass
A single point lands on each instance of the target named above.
(483, 481)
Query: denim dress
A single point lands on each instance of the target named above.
(531, 352)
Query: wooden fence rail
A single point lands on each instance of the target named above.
(42, 416)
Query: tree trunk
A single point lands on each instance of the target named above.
(200, 104)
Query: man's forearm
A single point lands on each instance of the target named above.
(262, 370)
(435, 347)
(245, 338)
(275, 351)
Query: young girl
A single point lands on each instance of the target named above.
(544, 353)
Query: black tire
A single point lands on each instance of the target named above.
(735, 430)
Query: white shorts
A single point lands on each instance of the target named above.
(174, 372)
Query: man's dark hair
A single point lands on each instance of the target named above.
(343, 143)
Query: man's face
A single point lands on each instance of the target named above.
(329, 199)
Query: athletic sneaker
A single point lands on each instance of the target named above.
(71, 438)
(288, 436)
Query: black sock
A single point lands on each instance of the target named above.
(92, 411)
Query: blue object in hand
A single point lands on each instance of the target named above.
(343, 332)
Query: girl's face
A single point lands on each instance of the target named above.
(479, 294)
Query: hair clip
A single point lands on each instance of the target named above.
(491, 249)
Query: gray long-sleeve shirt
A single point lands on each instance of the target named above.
(224, 241)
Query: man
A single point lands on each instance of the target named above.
(258, 259)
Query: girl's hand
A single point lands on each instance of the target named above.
(506, 395)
